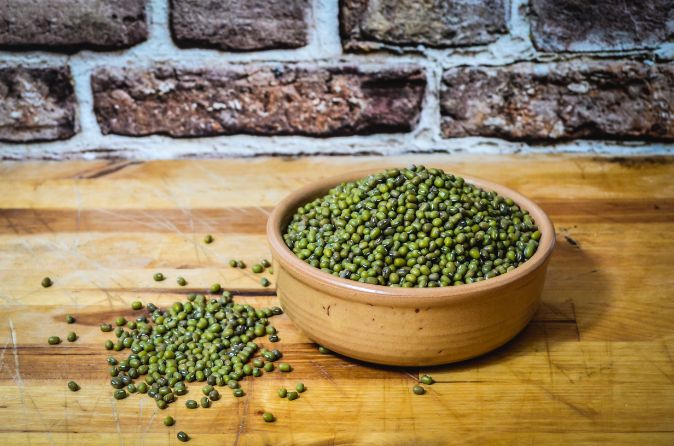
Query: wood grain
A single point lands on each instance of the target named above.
(594, 367)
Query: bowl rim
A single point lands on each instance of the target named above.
(394, 296)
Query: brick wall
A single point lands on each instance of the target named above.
(178, 78)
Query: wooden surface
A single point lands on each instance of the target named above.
(594, 367)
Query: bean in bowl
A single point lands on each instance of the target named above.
(412, 227)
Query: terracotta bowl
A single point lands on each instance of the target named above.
(406, 326)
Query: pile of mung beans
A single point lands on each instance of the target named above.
(412, 227)
(205, 340)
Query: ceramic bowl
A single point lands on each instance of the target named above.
(406, 326)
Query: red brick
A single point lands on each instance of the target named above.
(600, 25)
(260, 100)
(239, 25)
(72, 24)
(369, 24)
(608, 100)
(36, 104)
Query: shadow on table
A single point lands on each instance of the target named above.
(574, 280)
(575, 297)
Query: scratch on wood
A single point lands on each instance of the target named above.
(108, 295)
(147, 427)
(669, 377)
(115, 415)
(581, 168)
(149, 423)
(635, 162)
(38, 216)
(324, 373)
(109, 169)
(575, 319)
(263, 210)
(9, 300)
(78, 219)
(10, 223)
(44, 425)
(669, 355)
(586, 412)
(65, 412)
(414, 378)
(568, 377)
(2, 355)
(450, 410)
(244, 416)
(547, 352)
(140, 411)
(17, 371)
(18, 379)
(571, 241)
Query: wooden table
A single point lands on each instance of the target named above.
(594, 366)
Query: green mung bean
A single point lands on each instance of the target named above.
(53, 340)
(73, 386)
(427, 379)
(47, 282)
(191, 404)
